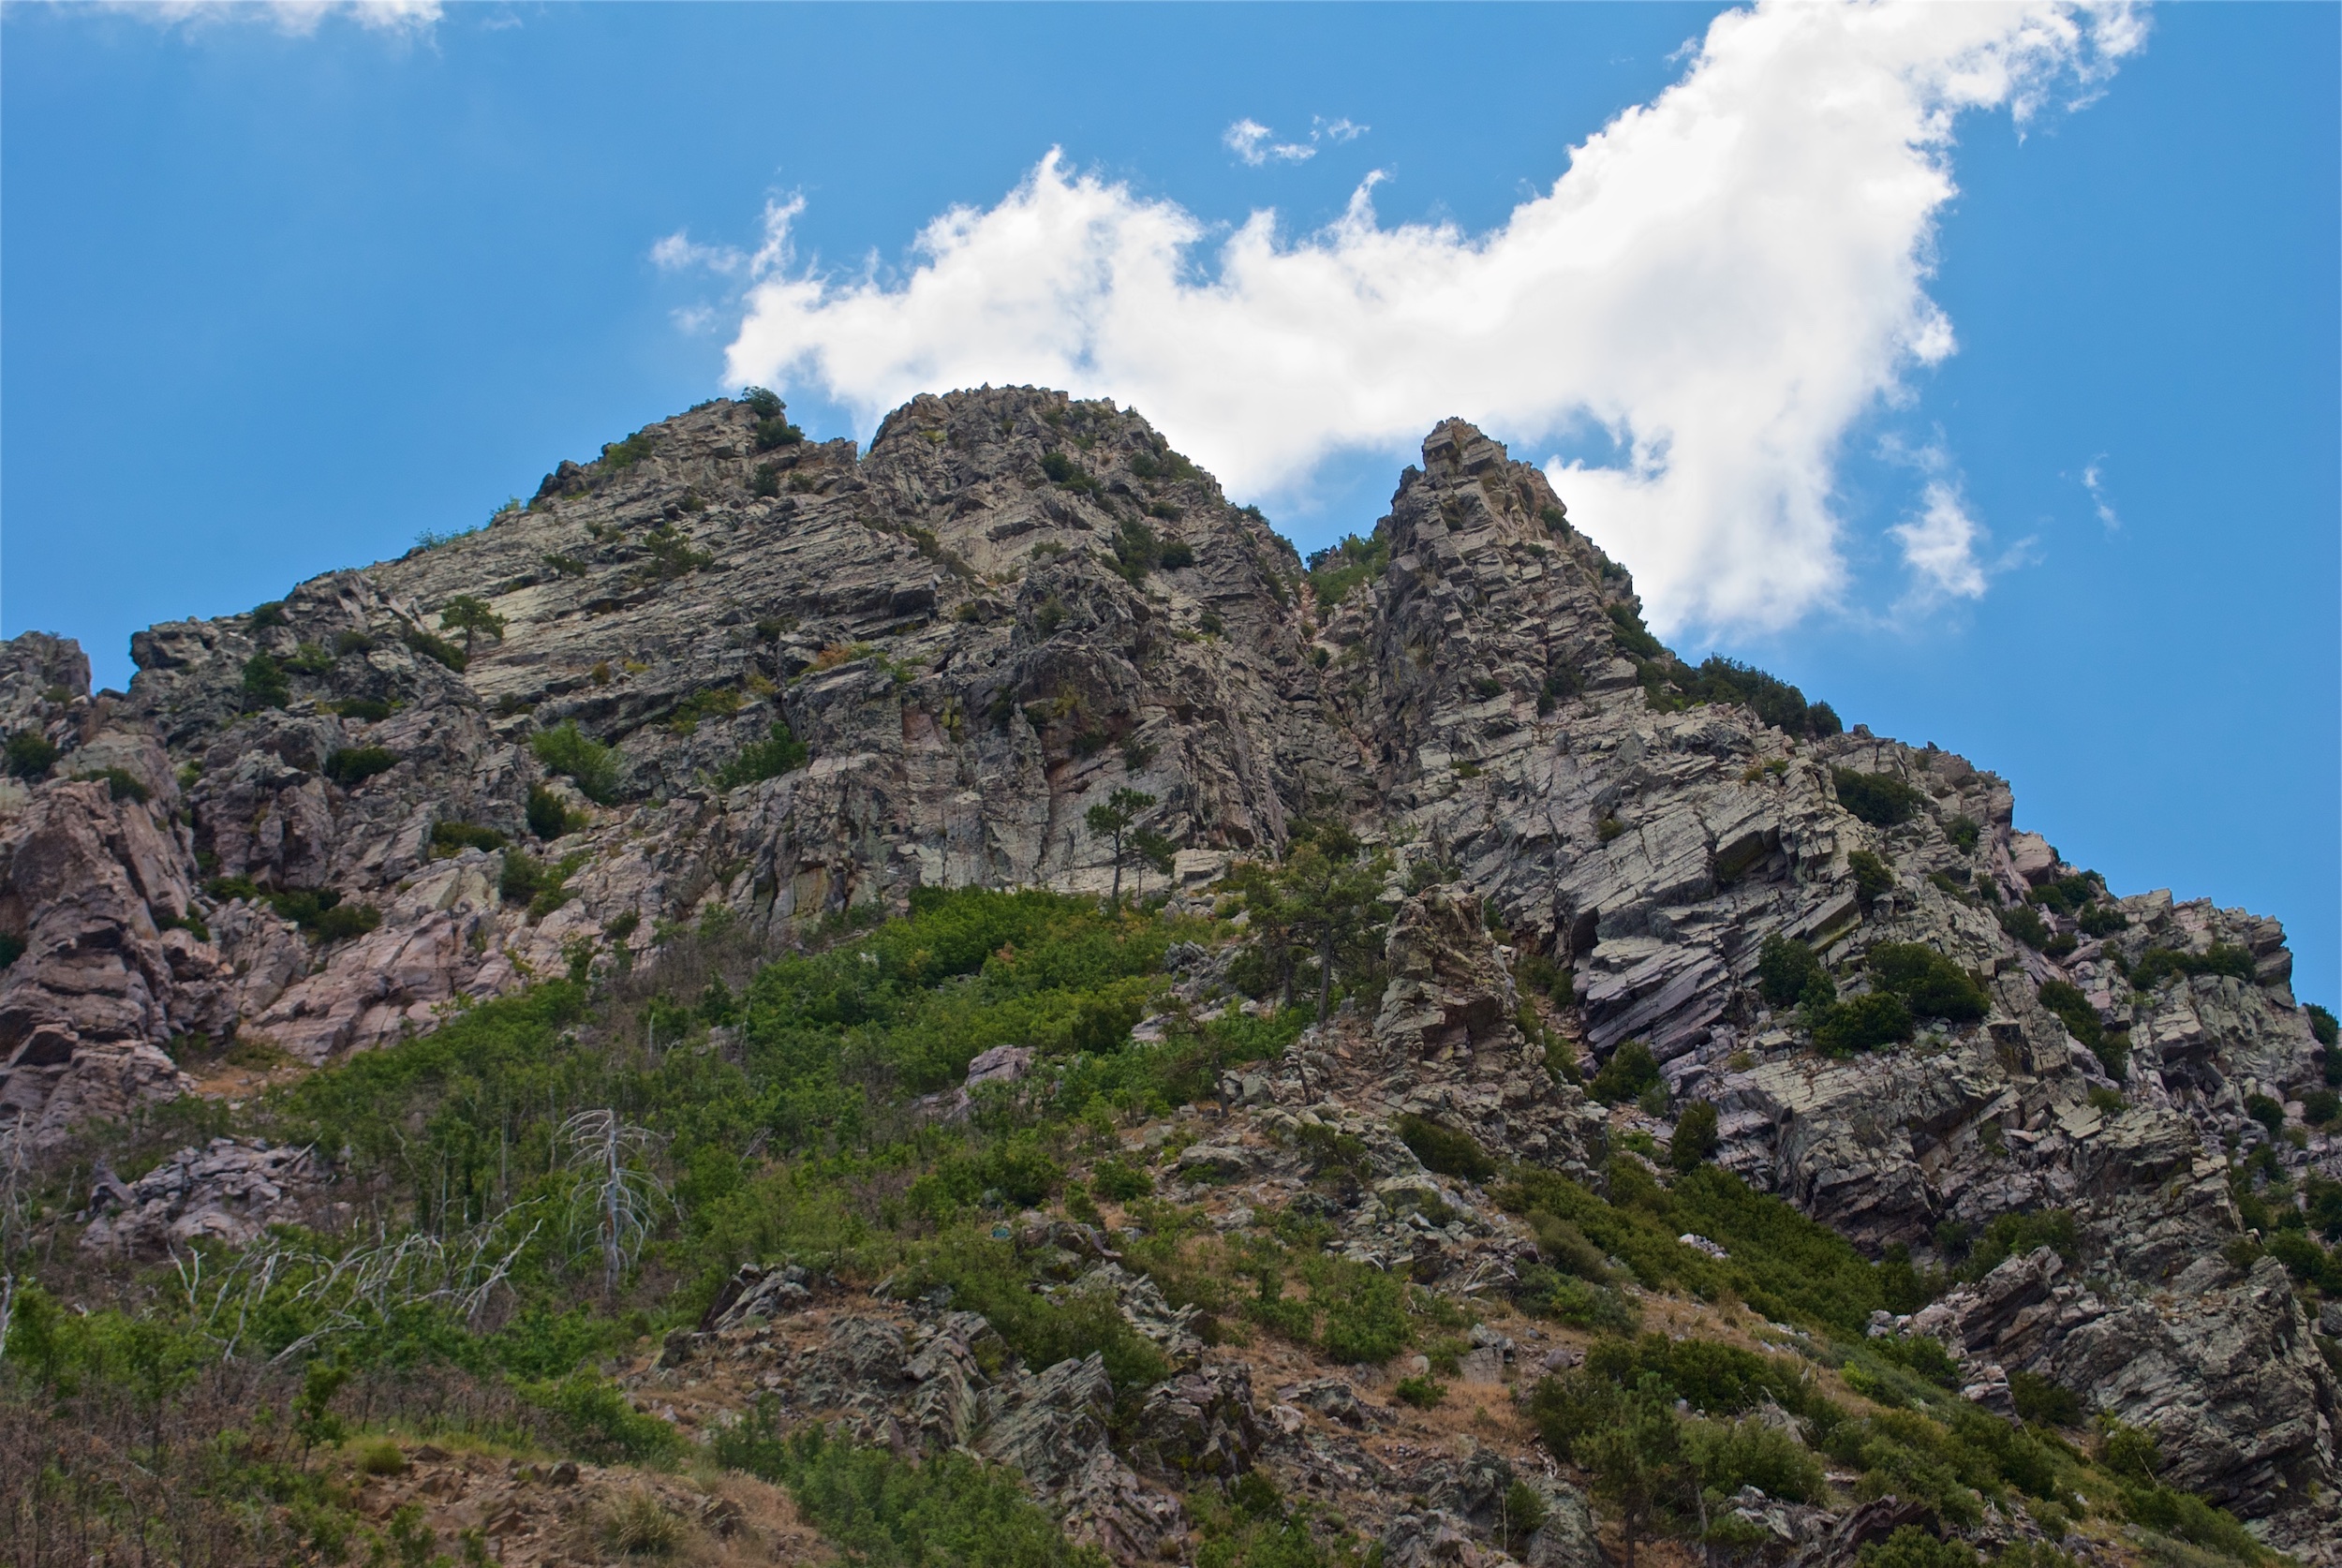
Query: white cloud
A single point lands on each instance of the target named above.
(1337, 130)
(1939, 546)
(1724, 281)
(299, 17)
(1254, 143)
(2092, 480)
(676, 253)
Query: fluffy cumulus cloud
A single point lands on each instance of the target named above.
(1724, 281)
(1939, 546)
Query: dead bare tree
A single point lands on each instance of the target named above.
(12, 1236)
(625, 1199)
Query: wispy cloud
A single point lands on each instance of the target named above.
(677, 253)
(2093, 479)
(1255, 144)
(1723, 282)
(300, 18)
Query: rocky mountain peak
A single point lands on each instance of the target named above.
(723, 670)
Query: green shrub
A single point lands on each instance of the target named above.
(950, 1512)
(1919, 1353)
(1873, 876)
(264, 683)
(382, 1458)
(1912, 1546)
(777, 432)
(1860, 1023)
(2039, 1400)
(1627, 628)
(767, 482)
(984, 1277)
(1570, 1406)
(595, 1421)
(353, 767)
(626, 453)
(2015, 1234)
(1964, 832)
(1580, 1302)
(30, 754)
(2082, 1021)
(449, 838)
(1445, 1150)
(1788, 972)
(1880, 799)
(1366, 1313)
(548, 819)
(2320, 1106)
(2025, 922)
(351, 640)
(639, 1525)
(1177, 554)
(2102, 920)
(1120, 1182)
(319, 913)
(2322, 1025)
(2190, 1518)
(11, 948)
(121, 784)
(763, 402)
(1774, 701)
(1340, 568)
(311, 659)
(1630, 1071)
(2157, 964)
(435, 647)
(1420, 1392)
(368, 709)
(1694, 1138)
(1931, 985)
(522, 878)
(2267, 1112)
(269, 614)
(1729, 1455)
(1565, 1247)
(586, 761)
(780, 752)
(2303, 1258)
(1138, 551)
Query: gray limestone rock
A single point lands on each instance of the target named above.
(226, 1191)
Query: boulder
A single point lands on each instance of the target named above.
(227, 1192)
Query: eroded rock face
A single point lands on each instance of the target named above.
(1451, 1050)
(961, 626)
(227, 1192)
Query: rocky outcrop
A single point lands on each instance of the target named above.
(1201, 1423)
(227, 1192)
(1449, 1046)
(2220, 1365)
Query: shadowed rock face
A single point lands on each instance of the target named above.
(1014, 604)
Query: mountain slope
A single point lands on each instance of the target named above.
(325, 826)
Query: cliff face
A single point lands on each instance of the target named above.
(1013, 605)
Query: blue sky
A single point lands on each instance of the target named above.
(276, 300)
